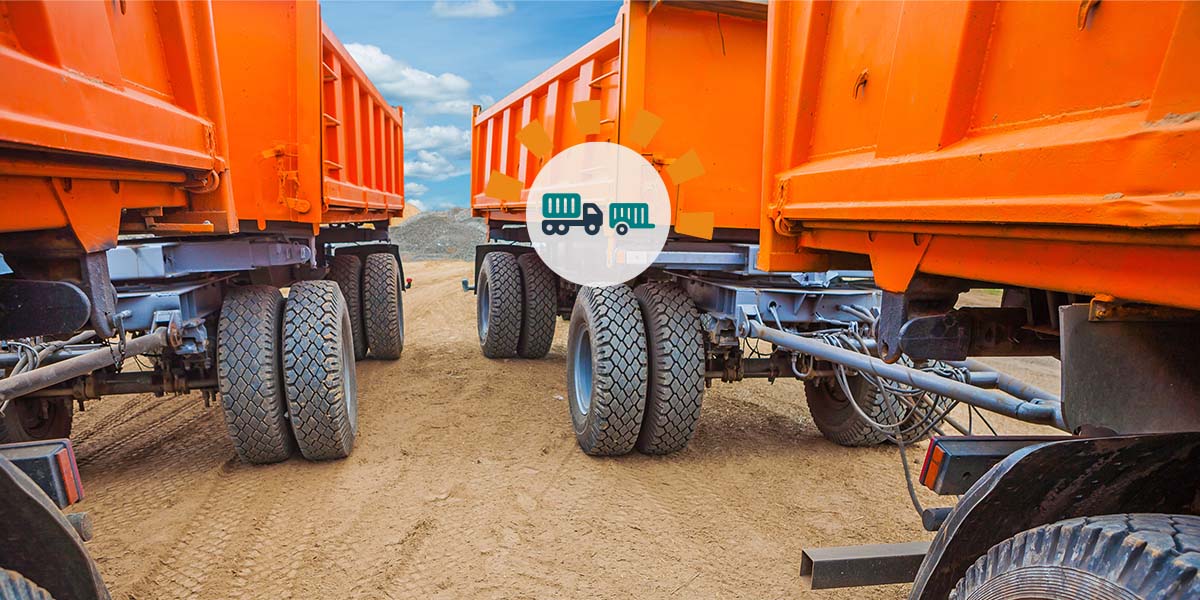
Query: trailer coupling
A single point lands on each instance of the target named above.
(1010, 398)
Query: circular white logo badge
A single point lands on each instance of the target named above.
(598, 214)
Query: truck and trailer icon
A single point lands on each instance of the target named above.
(563, 211)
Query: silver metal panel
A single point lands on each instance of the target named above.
(168, 260)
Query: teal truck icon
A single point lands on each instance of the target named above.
(624, 216)
(563, 211)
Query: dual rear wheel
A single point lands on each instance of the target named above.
(635, 369)
(517, 302)
(374, 298)
(285, 368)
(635, 358)
(286, 373)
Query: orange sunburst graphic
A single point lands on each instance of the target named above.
(587, 113)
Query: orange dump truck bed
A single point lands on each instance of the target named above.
(664, 80)
(186, 118)
(1048, 145)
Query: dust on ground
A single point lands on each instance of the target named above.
(466, 482)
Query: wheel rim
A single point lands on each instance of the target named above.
(485, 307)
(582, 368)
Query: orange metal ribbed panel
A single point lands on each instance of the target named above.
(311, 139)
(1040, 144)
(187, 118)
(110, 106)
(699, 68)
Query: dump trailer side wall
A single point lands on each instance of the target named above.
(138, 117)
(662, 77)
(312, 140)
(109, 107)
(1034, 144)
(549, 99)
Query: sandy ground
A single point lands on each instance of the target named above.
(466, 483)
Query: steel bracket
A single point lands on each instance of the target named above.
(965, 332)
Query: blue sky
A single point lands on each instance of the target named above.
(436, 59)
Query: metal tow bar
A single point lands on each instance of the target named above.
(43, 377)
(1043, 411)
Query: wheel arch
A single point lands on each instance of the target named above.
(1051, 482)
(37, 541)
(482, 250)
(362, 251)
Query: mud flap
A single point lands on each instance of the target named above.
(1050, 482)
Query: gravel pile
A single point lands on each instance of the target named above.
(439, 235)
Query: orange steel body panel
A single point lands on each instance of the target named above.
(664, 59)
(119, 117)
(99, 114)
(1039, 144)
(311, 139)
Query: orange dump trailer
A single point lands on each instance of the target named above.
(1050, 149)
(1038, 144)
(911, 151)
(165, 169)
(658, 81)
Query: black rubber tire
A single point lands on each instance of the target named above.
(250, 374)
(839, 422)
(383, 305)
(14, 586)
(1110, 557)
(675, 350)
(606, 325)
(347, 271)
(498, 305)
(319, 370)
(539, 287)
(23, 420)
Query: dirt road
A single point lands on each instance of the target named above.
(466, 483)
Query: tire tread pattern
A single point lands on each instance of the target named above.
(347, 271)
(314, 370)
(540, 294)
(839, 423)
(618, 338)
(383, 306)
(248, 374)
(1110, 556)
(504, 286)
(676, 368)
(14, 586)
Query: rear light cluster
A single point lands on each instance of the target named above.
(51, 465)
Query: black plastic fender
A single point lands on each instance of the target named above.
(483, 250)
(37, 541)
(1046, 483)
(362, 251)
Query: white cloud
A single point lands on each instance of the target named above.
(471, 9)
(446, 93)
(433, 166)
(414, 189)
(446, 139)
(414, 203)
